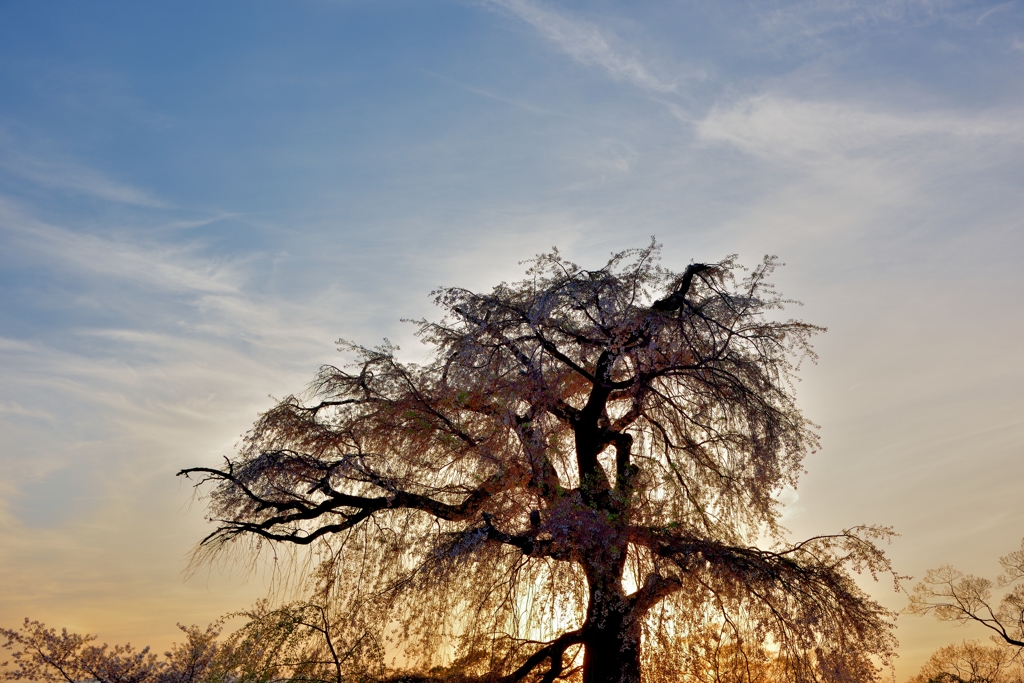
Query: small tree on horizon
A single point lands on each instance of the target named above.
(951, 595)
(972, 662)
(580, 474)
(44, 655)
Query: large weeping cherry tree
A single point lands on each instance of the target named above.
(581, 482)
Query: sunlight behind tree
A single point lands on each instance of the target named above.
(572, 433)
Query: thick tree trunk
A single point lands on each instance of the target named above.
(611, 639)
(612, 652)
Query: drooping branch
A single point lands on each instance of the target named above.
(352, 508)
(801, 584)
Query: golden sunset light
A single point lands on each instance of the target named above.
(512, 340)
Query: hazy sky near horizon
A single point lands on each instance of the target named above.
(197, 199)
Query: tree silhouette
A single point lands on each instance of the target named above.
(299, 643)
(971, 662)
(951, 595)
(42, 655)
(579, 473)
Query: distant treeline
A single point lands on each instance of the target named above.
(298, 643)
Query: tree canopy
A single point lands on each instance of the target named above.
(581, 479)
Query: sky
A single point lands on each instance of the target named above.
(198, 199)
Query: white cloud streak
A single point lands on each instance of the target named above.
(525, 106)
(72, 177)
(586, 43)
(989, 12)
(14, 408)
(85, 181)
(782, 129)
(808, 20)
(158, 266)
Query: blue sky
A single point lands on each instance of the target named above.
(197, 199)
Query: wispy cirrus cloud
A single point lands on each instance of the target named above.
(859, 168)
(15, 408)
(158, 266)
(813, 27)
(585, 42)
(813, 17)
(993, 10)
(482, 92)
(785, 129)
(75, 178)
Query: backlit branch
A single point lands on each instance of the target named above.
(954, 596)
